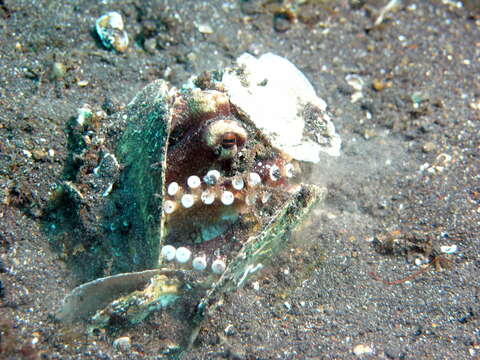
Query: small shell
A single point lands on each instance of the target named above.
(110, 30)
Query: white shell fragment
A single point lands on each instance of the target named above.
(281, 102)
(168, 252)
(449, 249)
(218, 266)
(110, 30)
(182, 255)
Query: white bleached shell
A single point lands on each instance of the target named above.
(280, 101)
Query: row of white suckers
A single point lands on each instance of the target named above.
(182, 255)
(207, 197)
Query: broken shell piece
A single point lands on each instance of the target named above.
(199, 263)
(110, 30)
(286, 108)
(182, 255)
(218, 266)
(168, 252)
(449, 249)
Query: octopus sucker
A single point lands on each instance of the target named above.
(211, 187)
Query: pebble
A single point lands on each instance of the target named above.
(355, 81)
(27, 153)
(428, 147)
(449, 249)
(123, 343)
(229, 330)
(378, 85)
(205, 29)
(110, 30)
(281, 23)
(362, 349)
(39, 155)
(2, 290)
(58, 71)
(150, 45)
(369, 133)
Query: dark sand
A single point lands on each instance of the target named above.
(394, 199)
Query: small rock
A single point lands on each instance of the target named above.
(229, 330)
(27, 153)
(84, 115)
(123, 343)
(428, 147)
(355, 81)
(2, 290)
(110, 30)
(362, 349)
(449, 249)
(205, 29)
(150, 45)
(58, 71)
(369, 133)
(281, 23)
(378, 85)
(250, 7)
(39, 155)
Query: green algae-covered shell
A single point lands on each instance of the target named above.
(142, 153)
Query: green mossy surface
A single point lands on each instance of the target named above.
(142, 153)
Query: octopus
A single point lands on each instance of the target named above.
(220, 179)
(212, 180)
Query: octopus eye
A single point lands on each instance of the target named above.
(225, 137)
(229, 140)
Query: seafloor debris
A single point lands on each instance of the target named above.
(209, 190)
(110, 30)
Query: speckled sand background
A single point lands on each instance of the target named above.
(405, 190)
